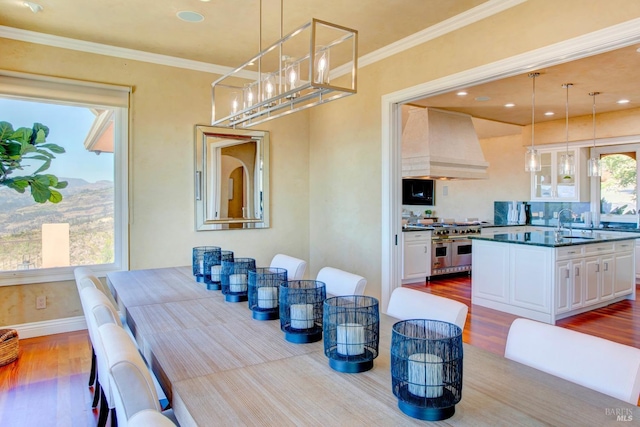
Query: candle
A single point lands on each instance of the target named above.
(267, 297)
(350, 339)
(215, 273)
(301, 316)
(425, 375)
(237, 282)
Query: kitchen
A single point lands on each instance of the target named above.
(462, 201)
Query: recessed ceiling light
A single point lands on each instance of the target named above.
(461, 93)
(35, 7)
(509, 105)
(623, 101)
(549, 113)
(482, 98)
(190, 16)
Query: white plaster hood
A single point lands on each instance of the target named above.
(441, 144)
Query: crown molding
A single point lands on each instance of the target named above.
(475, 14)
(454, 23)
(117, 52)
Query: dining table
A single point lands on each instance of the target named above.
(220, 367)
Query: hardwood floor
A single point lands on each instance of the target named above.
(488, 329)
(47, 385)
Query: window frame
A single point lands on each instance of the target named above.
(85, 94)
(595, 189)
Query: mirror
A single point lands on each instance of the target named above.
(231, 178)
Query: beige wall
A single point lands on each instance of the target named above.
(332, 152)
(346, 171)
(166, 104)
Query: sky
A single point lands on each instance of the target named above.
(68, 127)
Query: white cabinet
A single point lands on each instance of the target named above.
(637, 260)
(416, 253)
(549, 184)
(624, 281)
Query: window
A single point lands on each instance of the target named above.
(617, 193)
(88, 227)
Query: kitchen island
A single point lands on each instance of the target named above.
(549, 275)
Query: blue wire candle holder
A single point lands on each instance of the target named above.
(202, 260)
(214, 282)
(264, 284)
(351, 328)
(301, 303)
(235, 278)
(426, 368)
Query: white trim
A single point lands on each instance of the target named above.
(117, 52)
(610, 38)
(50, 327)
(454, 23)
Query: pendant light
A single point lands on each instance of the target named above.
(567, 161)
(532, 157)
(594, 166)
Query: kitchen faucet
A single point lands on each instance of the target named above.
(560, 218)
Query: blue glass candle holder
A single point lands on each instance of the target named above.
(235, 278)
(202, 260)
(426, 368)
(301, 304)
(215, 279)
(264, 286)
(351, 328)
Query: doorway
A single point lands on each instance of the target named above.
(590, 44)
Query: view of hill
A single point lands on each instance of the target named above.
(87, 207)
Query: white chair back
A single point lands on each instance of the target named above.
(85, 278)
(408, 303)
(98, 311)
(596, 363)
(295, 267)
(339, 282)
(131, 384)
(150, 418)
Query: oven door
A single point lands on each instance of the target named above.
(440, 254)
(461, 252)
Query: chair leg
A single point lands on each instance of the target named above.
(114, 419)
(104, 410)
(96, 393)
(92, 374)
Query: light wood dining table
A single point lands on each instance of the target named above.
(220, 367)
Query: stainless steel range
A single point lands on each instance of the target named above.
(451, 248)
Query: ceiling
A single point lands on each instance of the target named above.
(229, 35)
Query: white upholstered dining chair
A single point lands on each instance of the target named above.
(99, 310)
(85, 277)
(131, 383)
(295, 267)
(408, 303)
(150, 418)
(338, 282)
(596, 363)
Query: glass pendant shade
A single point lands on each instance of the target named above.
(567, 164)
(532, 157)
(594, 167)
(532, 161)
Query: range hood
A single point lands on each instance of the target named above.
(440, 144)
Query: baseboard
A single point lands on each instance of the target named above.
(49, 327)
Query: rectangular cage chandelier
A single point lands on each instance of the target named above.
(314, 64)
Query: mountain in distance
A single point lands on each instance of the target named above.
(82, 201)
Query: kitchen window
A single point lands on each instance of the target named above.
(617, 193)
(44, 242)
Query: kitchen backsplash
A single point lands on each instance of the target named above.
(541, 213)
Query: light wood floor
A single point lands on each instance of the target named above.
(47, 385)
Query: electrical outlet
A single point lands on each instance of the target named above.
(41, 302)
